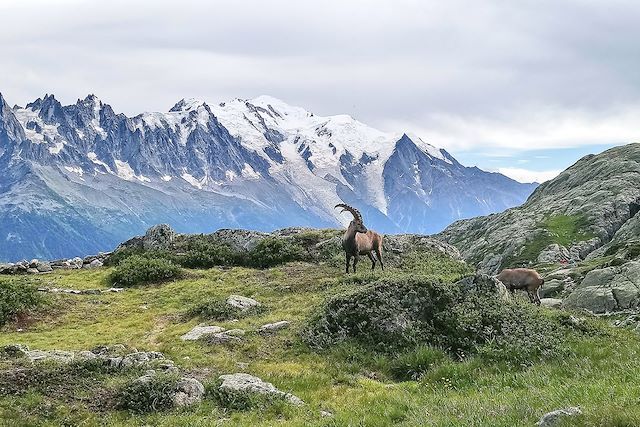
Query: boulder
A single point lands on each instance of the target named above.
(484, 282)
(608, 289)
(96, 263)
(553, 418)
(199, 331)
(245, 383)
(221, 338)
(158, 237)
(273, 327)
(189, 391)
(551, 288)
(43, 267)
(242, 303)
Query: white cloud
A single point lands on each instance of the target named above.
(525, 175)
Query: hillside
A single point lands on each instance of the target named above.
(80, 178)
(410, 346)
(585, 219)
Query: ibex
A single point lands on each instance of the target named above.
(522, 278)
(357, 240)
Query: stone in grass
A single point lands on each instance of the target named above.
(552, 418)
(53, 355)
(200, 331)
(245, 383)
(273, 327)
(551, 302)
(242, 303)
(189, 391)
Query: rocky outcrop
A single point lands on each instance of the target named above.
(199, 331)
(591, 203)
(41, 267)
(234, 384)
(608, 289)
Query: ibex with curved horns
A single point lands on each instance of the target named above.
(357, 240)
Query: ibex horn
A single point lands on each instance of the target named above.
(346, 208)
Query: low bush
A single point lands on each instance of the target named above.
(148, 394)
(401, 314)
(139, 270)
(242, 400)
(271, 251)
(18, 296)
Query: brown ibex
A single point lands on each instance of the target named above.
(522, 278)
(357, 240)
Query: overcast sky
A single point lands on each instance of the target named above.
(523, 87)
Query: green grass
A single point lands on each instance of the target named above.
(359, 387)
(564, 230)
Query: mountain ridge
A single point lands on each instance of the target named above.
(259, 164)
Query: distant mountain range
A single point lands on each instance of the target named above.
(80, 178)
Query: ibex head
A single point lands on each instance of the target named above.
(357, 221)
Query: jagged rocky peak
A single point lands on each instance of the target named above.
(188, 104)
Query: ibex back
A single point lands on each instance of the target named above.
(358, 240)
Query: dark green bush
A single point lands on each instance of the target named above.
(270, 252)
(398, 315)
(138, 270)
(220, 311)
(154, 393)
(17, 296)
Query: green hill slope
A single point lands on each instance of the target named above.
(391, 352)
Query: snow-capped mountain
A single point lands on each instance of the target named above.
(80, 178)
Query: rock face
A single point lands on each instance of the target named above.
(551, 419)
(592, 202)
(242, 303)
(245, 383)
(608, 289)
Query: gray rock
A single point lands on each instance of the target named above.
(220, 338)
(274, 327)
(159, 237)
(189, 391)
(242, 303)
(402, 243)
(484, 282)
(554, 253)
(51, 355)
(551, 288)
(96, 263)
(245, 383)
(43, 267)
(551, 302)
(140, 358)
(609, 289)
(199, 331)
(552, 418)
